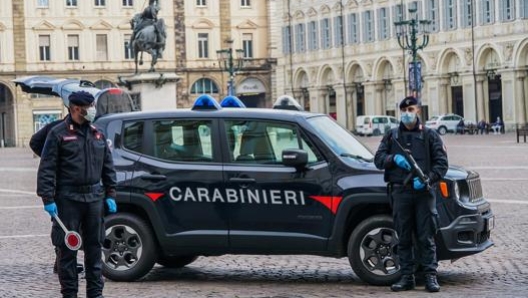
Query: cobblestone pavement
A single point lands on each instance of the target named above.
(501, 271)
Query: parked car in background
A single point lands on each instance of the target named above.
(444, 123)
(375, 125)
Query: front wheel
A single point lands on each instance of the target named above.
(129, 249)
(442, 130)
(372, 251)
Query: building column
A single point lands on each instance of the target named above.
(370, 98)
(341, 105)
(520, 97)
(317, 99)
(445, 95)
(480, 98)
(351, 106)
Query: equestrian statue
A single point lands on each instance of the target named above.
(148, 35)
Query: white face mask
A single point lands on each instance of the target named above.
(90, 114)
(408, 118)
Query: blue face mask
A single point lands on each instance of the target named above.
(408, 118)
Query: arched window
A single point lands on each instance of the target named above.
(204, 85)
(103, 84)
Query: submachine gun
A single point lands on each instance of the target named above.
(415, 169)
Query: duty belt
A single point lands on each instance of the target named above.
(80, 188)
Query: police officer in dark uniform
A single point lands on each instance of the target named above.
(36, 143)
(76, 180)
(414, 205)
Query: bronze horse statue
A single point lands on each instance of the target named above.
(150, 39)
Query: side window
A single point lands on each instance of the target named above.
(393, 120)
(263, 142)
(376, 120)
(133, 136)
(384, 120)
(183, 140)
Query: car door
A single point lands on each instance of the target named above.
(179, 173)
(273, 207)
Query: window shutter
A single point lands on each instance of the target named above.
(445, 23)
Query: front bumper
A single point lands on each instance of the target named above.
(466, 235)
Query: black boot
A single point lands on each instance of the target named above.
(431, 285)
(405, 283)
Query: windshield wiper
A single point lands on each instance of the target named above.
(356, 156)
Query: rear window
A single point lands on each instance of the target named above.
(366, 121)
(133, 136)
(380, 120)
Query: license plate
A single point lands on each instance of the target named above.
(491, 223)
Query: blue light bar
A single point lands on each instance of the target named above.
(206, 102)
(231, 101)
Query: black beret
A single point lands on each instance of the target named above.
(408, 101)
(81, 98)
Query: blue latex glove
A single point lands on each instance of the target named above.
(401, 162)
(112, 207)
(418, 184)
(51, 208)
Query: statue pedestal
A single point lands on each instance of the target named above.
(152, 91)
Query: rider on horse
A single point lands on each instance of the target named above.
(148, 17)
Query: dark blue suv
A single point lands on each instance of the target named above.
(210, 181)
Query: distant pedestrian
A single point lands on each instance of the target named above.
(481, 126)
(76, 173)
(497, 126)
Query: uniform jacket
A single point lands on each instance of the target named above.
(75, 161)
(435, 166)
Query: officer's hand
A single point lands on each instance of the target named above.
(51, 208)
(112, 207)
(418, 184)
(402, 162)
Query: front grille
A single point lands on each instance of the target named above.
(474, 189)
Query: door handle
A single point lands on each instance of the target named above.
(154, 177)
(242, 180)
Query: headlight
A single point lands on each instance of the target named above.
(456, 190)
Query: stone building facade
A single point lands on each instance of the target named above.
(343, 57)
(89, 40)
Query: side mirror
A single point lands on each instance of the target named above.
(296, 158)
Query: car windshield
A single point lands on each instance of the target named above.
(339, 139)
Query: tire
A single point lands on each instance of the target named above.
(442, 130)
(372, 251)
(129, 249)
(176, 262)
(376, 132)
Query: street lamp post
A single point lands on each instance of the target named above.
(407, 33)
(230, 64)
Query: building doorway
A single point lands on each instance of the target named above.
(360, 100)
(7, 118)
(253, 100)
(457, 100)
(495, 98)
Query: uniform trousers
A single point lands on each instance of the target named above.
(90, 215)
(414, 213)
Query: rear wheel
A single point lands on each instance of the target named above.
(176, 262)
(442, 130)
(372, 251)
(129, 249)
(376, 132)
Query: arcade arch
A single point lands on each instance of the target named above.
(7, 117)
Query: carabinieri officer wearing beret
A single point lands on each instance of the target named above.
(413, 204)
(75, 175)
